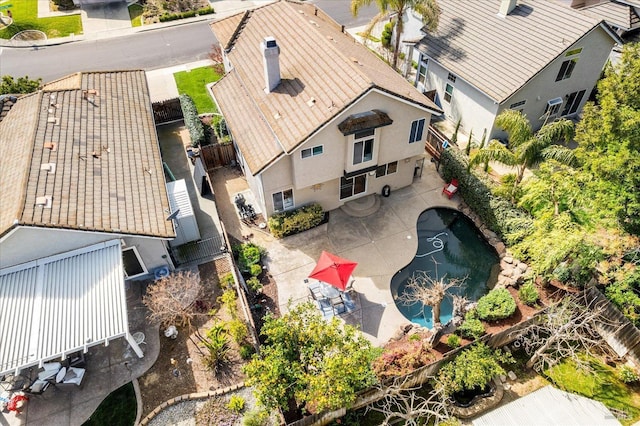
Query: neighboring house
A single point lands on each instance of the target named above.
(315, 116)
(622, 15)
(539, 57)
(84, 203)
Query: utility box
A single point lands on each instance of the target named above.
(184, 219)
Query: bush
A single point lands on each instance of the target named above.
(197, 131)
(401, 360)
(217, 344)
(295, 221)
(188, 14)
(246, 351)
(227, 282)
(387, 32)
(228, 299)
(236, 403)
(627, 374)
(496, 305)
(497, 213)
(237, 330)
(256, 418)
(471, 328)
(528, 294)
(453, 341)
(249, 254)
(254, 284)
(255, 270)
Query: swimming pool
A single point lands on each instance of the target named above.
(459, 248)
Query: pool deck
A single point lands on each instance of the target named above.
(381, 243)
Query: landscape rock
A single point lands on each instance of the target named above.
(507, 259)
(500, 248)
(512, 375)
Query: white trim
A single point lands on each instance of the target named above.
(140, 261)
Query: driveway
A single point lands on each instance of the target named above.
(381, 243)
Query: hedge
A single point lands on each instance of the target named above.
(295, 221)
(197, 130)
(496, 305)
(188, 14)
(497, 213)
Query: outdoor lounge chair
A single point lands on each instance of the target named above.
(450, 189)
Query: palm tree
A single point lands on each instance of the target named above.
(526, 148)
(427, 8)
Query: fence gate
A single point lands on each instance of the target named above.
(199, 251)
(218, 155)
(167, 111)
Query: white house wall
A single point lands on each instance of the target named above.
(317, 178)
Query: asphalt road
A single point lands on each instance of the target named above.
(146, 50)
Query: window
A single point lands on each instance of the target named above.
(422, 71)
(417, 127)
(132, 263)
(363, 149)
(572, 102)
(552, 108)
(451, 78)
(448, 92)
(310, 152)
(282, 200)
(574, 52)
(566, 69)
(387, 169)
(516, 106)
(352, 186)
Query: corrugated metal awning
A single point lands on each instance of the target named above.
(61, 304)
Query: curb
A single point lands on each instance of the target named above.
(187, 397)
(136, 388)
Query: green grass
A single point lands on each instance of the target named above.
(193, 83)
(25, 17)
(135, 13)
(602, 385)
(118, 409)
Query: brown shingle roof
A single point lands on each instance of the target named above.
(498, 55)
(108, 171)
(323, 71)
(618, 14)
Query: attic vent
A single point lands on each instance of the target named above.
(45, 201)
(53, 146)
(90, 92)
(311, 102)
(49, 167)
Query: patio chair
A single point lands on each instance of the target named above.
(316, 292)
(450, 189)
(339, 308)
(325, 307)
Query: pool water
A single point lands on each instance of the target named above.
(450, 239)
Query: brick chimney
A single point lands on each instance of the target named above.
(506, 7)
(271, 61)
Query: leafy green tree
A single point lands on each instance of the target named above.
(526, 147)
(609, 141)
(9, 85)
(315, 363)
(429, 10)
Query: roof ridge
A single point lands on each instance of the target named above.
(239, 28)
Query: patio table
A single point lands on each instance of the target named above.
(329, 291)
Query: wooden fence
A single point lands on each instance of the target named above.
(167, 111)
(436, 142)
(218, 155)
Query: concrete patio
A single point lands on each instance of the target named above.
(381, 243)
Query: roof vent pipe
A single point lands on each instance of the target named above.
(506, 7)
(271, 61)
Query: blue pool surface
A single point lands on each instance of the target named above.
(460, 250)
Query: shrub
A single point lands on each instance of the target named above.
(471, 328)
(247, 351)
(248, 255)
(188, 14)
(227, 282)
(387, 32)
(228, 299)
(453, 341)
(497, 213)
(295, 221)
(254, 284)
(627, 374)
(217, 345)
(528, 294)
(236, 403)
(256, 418)
(237, 330)
(496, 305)
(401, 360)
(255, 270)
(197, 131)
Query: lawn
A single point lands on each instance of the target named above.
(25, 17)
(135, 13)
(193, 83)
(603, 385)
(118, 409)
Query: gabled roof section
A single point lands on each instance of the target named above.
(498, 55)
(98, 132)
(323, 71)
(621, 15)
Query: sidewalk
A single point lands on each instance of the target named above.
(112, 20)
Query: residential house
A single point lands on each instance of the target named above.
(314, 115)
(84, 205)
(621, 15)
(539, 57)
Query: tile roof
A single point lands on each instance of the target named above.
(323, 71)
(108, 170)
(621, 15)
(498, 55)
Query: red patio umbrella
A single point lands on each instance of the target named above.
(333, 270)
